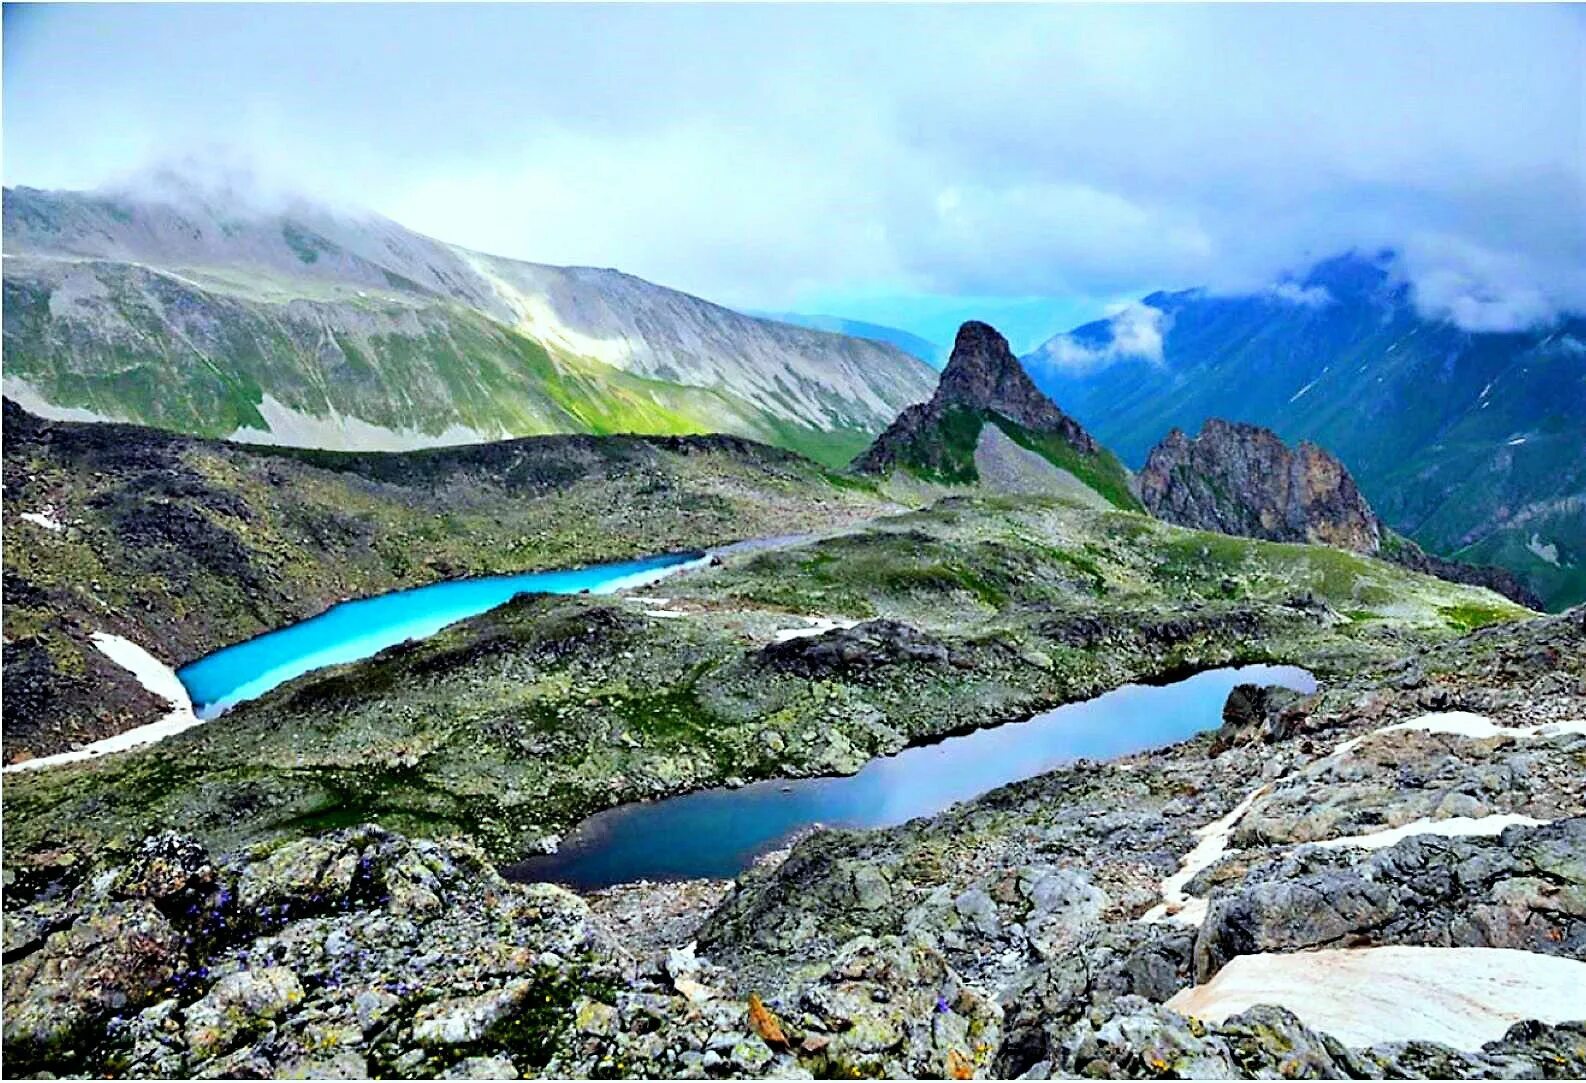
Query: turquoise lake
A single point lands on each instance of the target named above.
(357, 629)
(719, 833)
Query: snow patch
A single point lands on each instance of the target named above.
(1547, 551)
(1453, 827)
(287, 427)
(1462, 997)
(33, 401)
(155, 676)
(817, 626)
(45, 519)
(1179, 907)
(1303, 390)
(1480, 727)
(1463, 724)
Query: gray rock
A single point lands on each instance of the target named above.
(465, 1020)
(239, 1005)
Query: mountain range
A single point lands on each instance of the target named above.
(301, 324)
(1471, 444)
(929, 352)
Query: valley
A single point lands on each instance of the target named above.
(792, 541)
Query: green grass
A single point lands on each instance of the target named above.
(946, 455)
(1467, 617)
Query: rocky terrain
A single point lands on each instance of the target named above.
(194, 309)
(183, 546)
(1471, 444)
(309, 887)
(1242, 479)
(1045, 929)
(984, 388)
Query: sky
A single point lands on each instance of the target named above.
(915, 166)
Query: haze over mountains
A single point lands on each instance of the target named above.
(1472, 444)
(305, 325)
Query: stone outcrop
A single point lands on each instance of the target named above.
(1242, 479)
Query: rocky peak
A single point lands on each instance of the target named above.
(983, 373)
(982, 376)
(1243, 479)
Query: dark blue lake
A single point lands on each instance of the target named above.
(359, 629)
(718, 833)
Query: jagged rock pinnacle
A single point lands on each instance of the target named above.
(982, 374)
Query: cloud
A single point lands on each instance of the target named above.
(760, 155)
(1134, 331)
(1304, 296)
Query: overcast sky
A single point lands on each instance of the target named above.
(913, 166)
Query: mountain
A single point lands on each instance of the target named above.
(909, 343)
(1241, 479)
(305, 325)
(1028, 445)
(1472, 444)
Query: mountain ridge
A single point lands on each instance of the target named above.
(1468, 443)
(335, 315)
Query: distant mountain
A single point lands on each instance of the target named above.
(929, 352)
(304, 325)
(1471, 444)
(989, 424)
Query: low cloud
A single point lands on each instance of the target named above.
(1304, 296)
(760, 154)
(1133, 332)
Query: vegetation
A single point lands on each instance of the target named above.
(524, 720)
(948, 456)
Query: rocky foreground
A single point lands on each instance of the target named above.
(1087, 922)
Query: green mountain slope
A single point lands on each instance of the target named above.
(309, 327)
(1455, 437)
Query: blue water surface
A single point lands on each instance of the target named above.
(358, 629)
(718, 833)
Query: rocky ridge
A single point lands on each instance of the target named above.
(1243, 479)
